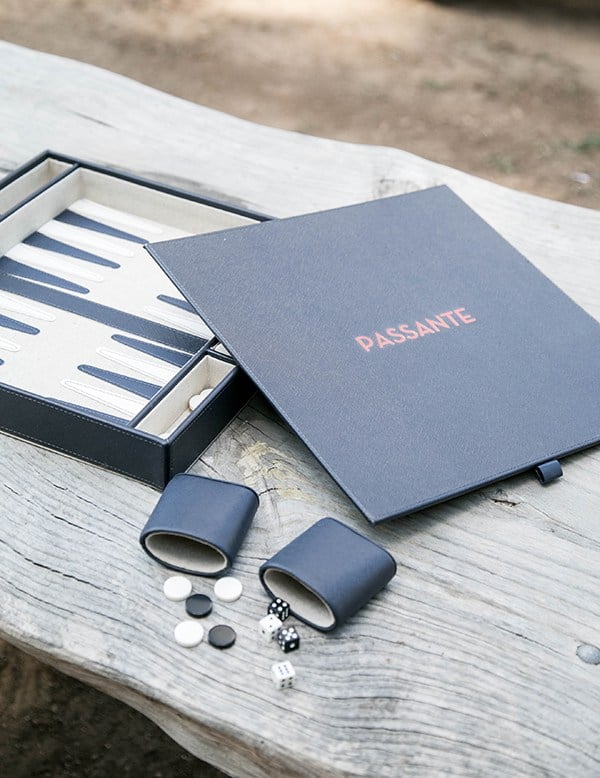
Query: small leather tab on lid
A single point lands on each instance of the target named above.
(549, 471)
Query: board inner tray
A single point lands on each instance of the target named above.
(87, 317)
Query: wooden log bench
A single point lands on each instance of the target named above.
(479, 657)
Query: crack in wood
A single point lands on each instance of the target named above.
(500, 497)
(48, 567)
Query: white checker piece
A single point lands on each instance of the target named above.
(188, 633)
(177, 588)
(228, 589)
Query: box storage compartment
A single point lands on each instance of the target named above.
(90, 323)
(30, 178)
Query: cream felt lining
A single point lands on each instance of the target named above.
(133, 287)
(22, 187)
(44, 362)
(173, 409)
(302, 601)
(30, 217)
(179, 213)
(51, 357)
(185, 552)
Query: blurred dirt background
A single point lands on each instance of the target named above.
(505, 90)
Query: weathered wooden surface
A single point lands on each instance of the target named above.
(466, 665)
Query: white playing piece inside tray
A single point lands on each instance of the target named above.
(192, 391)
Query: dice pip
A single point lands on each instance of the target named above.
(288, 639)
(279, 608)
(269, 627)
(283, 675)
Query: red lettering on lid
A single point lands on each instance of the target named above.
(433, 325)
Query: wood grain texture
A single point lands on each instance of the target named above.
(466, 664)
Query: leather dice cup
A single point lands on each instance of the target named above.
(327, 573)
(198, 524)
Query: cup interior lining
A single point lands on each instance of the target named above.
(305, 603)
(186, 553)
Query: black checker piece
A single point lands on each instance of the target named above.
(198, 606)
(221, 636)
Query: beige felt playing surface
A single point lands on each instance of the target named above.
(47, 364)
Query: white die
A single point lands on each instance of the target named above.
(283, 675)
(269, 627)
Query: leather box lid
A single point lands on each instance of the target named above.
(416, 352)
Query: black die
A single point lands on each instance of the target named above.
(279, 608)
(288, 639)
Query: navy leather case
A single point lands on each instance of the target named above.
(327, 573)
(93, 436)
(199, 524)
(414, 350)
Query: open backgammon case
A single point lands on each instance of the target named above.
(100, 355)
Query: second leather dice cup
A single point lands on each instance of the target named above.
(327, 573)
(199, 524)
